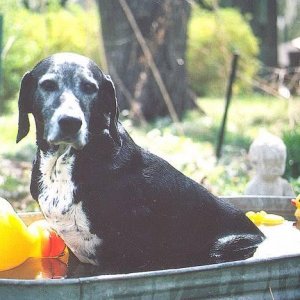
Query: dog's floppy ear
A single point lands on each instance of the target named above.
(25, 105)
(111, 104)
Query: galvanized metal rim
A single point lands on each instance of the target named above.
(168, 272)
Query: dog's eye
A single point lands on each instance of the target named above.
(49, 85)
(89, 87)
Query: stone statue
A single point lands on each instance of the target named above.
(267, 155)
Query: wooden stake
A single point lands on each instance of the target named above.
(152, 65)
(228, 99)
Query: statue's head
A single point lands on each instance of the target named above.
(267, 154)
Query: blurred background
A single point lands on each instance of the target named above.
(171, 61)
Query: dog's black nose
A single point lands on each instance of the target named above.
(69, 125)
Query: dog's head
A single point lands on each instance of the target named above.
(69, 97)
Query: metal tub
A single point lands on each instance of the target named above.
(277, 278)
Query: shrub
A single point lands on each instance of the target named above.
(33, 36)
(212, 38)
(292, 141)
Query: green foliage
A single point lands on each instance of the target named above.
(23, 151)
(31, 36)
(295, 182)
(292, 141)
(10, 183)
(193, 153)
(213, 37)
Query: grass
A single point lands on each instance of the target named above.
(193, 153)
(22, 151)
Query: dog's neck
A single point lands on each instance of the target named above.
(61, 207)
(100, 144)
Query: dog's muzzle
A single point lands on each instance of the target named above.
(67, 126)
(67, 130)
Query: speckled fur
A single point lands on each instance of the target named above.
(57, 204)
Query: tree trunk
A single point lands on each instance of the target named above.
(163, 25)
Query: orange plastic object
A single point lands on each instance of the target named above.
(40, 268)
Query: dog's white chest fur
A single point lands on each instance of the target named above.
(57, 204)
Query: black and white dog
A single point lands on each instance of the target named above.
(115, 204)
